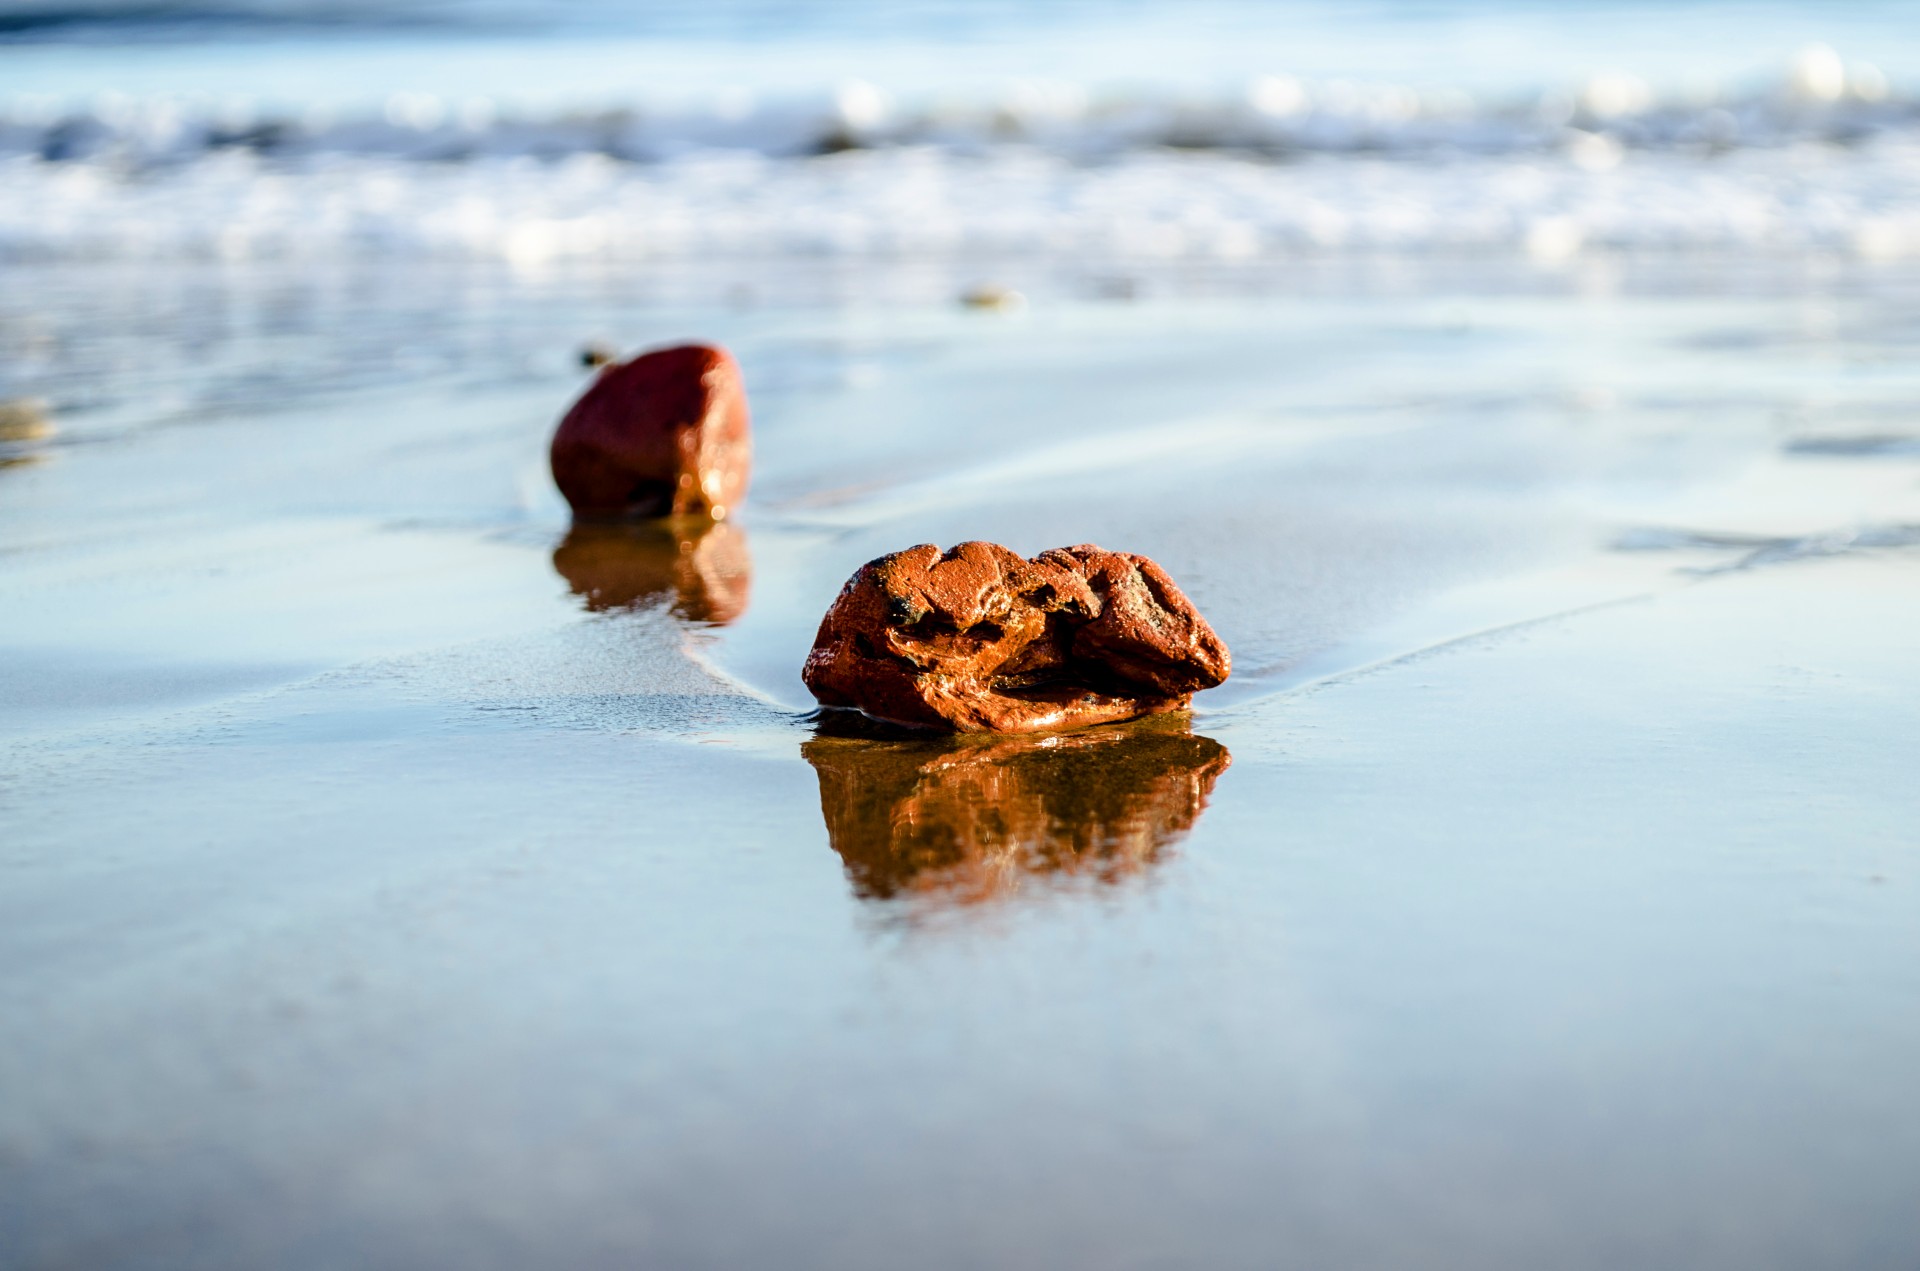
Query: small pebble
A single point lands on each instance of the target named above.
(24, 419)
(998, 299)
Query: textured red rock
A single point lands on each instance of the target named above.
(665, 434)
(977, 639)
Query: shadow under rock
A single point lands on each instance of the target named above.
(962, 820)
(701, 568)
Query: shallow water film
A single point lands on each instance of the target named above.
(395, 873)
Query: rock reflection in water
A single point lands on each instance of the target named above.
(700, 567)
(963, 820)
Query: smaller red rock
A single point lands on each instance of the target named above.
(665, 434)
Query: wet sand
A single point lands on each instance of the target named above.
(392, 875)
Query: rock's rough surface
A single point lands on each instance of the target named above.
(977, 639)
(665, 434)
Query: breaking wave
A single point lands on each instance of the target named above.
(1827, 158)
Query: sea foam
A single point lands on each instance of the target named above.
(1826, 157)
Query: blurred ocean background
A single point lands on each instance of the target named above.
(1221, 130)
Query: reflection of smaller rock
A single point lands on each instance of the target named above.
(665, 434)
(966, 820)
(701, 568)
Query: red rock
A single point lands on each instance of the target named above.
(977, 639)
(665, 434)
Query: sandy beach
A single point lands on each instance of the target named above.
(393, 877)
